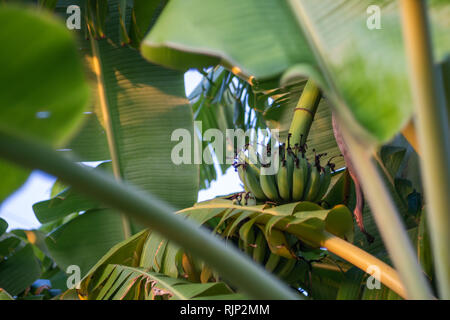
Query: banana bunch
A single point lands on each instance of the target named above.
(295, 180)
(255, 245)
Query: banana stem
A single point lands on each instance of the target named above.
(152, 212)
(304, 113)
(364, 261)
(433, 129)
(388, 220)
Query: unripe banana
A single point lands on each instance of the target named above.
(190, 268)
(253, 158)
(247, 240)
(313, 185)
(241, 244)
(285, 268)
(284, 176)
(290, 163)
(268, 184)
(251, 181)
(249, 199)
(300, 176)
(272, 262)
(253, 161)
(283, 181)
(259, 251)
(278, 243)
(206, 274)
(240, 171)
(325, 180)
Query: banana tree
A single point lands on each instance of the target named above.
(258, 79)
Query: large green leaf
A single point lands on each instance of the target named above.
(325, 283)
(84, 240)
(39, 98)
(123, 283)
(355, 287)
(365, 69)
(150, 251)
(260, 38)
(118, 276)
(19, 271)
(66, 202)
(61, 205)
(350, 288)
(145, 104)
(361, 63)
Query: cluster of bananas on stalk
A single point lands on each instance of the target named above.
(276, 259)
(296, 178)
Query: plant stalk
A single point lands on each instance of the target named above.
(234, 266)
(388, 220)
(433, 134)
(304, 113)
(356, 256)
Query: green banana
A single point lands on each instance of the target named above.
(282, 181)
(253, 158)
(290, 163)
(325, 180)
(251, 181)
(268, 184)
(300, 178)
(278, 243)
(285, 267)
(206, 274)
(249, 199)
(312, 187)
(247, 244)
(240, 170)
(259, 251)
(190, 268)
(253, 161)
(272, 262)
(284, 175)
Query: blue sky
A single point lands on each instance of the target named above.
(17, 209)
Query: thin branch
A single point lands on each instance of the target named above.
(433, 134)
